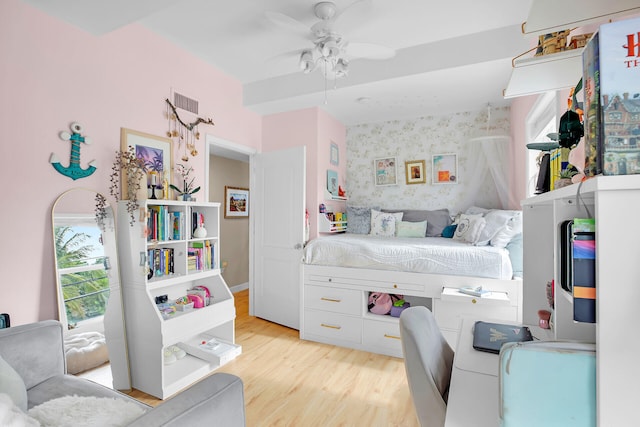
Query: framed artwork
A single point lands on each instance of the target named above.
(156, 151)
(444, 168)
(334, 154)
(332, 182)
(236, 202)
(414, 172)
(385, 171)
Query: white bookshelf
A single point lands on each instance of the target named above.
(613, 201)
(327, 224)
(149, 332)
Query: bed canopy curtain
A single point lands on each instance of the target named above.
(490, 154)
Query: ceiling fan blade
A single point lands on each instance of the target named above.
(284, 61)
(369, 51)
(288, 23)
(353, 15)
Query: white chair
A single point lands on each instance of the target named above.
(428, 360)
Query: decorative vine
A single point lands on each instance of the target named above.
(187, 133)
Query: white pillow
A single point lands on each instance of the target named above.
(469, 228)
(384, 223)
(508, 232)
(496, 219)
(411, 229)
(476, 210)
(11, 383)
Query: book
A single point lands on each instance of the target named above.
(489, 336)
(583, 247)
(475, 291)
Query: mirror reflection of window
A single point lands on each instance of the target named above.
(81, 269)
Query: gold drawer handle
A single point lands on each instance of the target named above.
(473, 301)
(392, 336)
(330, 299)
(395, 286)
(324, 325)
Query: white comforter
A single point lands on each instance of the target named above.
(436, 255)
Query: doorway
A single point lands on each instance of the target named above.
(229, 165)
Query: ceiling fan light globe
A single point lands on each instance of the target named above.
(330, 48)
(341, 69)
(307, 62)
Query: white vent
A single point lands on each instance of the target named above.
(185, 103)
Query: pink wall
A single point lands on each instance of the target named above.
(52, 74)
(315, 129)
(329, 130)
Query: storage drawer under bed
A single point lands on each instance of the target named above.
(346, 301)
(333, 326)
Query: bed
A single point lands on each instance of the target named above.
(341, 270)
(435, 255)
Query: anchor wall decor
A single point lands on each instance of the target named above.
(73, 171)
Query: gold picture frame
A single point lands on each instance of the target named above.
(156, 151)
(414, 172)
(236, 202)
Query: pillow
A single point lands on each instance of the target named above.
(496, 220)
(436, 220)
(515, 254)
(469, 228)
(508, 232)
(411, 229)
(475, 210)
(11, 383)
(358, 219)
(449, 231)
(384, 223)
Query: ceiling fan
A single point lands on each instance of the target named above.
(330, 51)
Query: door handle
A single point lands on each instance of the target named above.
(297, 246)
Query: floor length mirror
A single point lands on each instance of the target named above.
(89, 291)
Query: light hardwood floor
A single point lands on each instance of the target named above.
(291, 382)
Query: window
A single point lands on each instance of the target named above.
(82, 274)
(541, 121)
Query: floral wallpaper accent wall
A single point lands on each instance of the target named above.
(419, 139)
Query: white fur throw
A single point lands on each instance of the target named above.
(12, 416)
(72, 411)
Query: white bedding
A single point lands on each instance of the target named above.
(435, 255)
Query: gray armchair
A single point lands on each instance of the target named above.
(428, 361)
(36, 352)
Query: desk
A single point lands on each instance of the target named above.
(474, 393)
(474, 390)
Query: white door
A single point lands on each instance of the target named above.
(278, 208)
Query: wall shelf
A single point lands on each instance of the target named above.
(539, 74)
(329, 196)
(546, 16)
(327, 226)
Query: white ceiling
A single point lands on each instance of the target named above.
(451, 56)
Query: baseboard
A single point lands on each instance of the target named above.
(238, 288)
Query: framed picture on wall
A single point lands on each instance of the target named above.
(236, 202)
(332, 182)
(444, 168)
(385, 171)
(334, 154)
(156, 151)
(414, 172)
